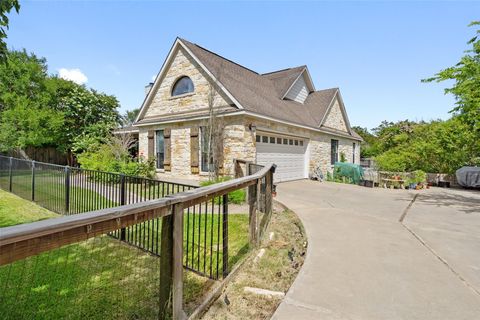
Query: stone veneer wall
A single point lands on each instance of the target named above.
(335, 118)
(239, 143)
(163, 104)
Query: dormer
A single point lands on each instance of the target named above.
(300, 88)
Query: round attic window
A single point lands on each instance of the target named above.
(182, 86)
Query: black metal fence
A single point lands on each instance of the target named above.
(66, 190)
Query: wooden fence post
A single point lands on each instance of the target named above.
(177, 303)
(166, 258)
(253, 195)
(171, 264)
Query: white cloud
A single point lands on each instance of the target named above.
(75, 75)
(154, 77)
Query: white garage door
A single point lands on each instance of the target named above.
(287, 153)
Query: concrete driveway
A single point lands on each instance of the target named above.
(363, 263)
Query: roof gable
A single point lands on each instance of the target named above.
(261, 94)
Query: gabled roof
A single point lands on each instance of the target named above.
(261, 94)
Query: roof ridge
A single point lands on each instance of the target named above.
(216, 54)
(281, 70)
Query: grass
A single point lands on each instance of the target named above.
(276, 270)
(101, 278)
(15, 210)
(50, 192)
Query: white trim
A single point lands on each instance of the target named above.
(150, 95)
(310, 82)
(267, 130)
(188, 119)
(211, 75)
(342, 109)
(307, 159)
(163, 70)
(329, 107)
(255, 115)
(249, 113)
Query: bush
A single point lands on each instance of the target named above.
(111, 157)
(236, 197)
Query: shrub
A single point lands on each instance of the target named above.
(236, 197)
(112, 157)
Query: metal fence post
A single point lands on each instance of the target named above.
(225, 234)
(33, 180)
(122, 202)
(67, 189)
(10, 174)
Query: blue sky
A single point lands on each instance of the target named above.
(376, 52)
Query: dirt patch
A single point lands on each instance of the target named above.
(275, 270)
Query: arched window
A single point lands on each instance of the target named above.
(182, 86)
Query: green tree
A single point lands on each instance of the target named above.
(129, 117)
(29, 125)
(466, 88)
(88, 116)
(368, 145)
(5, 7)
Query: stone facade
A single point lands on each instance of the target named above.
(335, 119)
(163, 104)
(239, 135)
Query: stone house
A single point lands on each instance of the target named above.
(274, 117)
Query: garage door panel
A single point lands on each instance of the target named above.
(290, 159)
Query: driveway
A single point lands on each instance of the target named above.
(363, 263)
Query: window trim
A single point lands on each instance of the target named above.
(156, 150)
(183, 93)
(333, 155)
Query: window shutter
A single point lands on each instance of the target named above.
(194, 149)
(151, 144)
(220, 153)
(167, 162)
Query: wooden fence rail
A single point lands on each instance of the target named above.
(22, 241)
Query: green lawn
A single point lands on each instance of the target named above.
(102, 278)
(50, 192)
(15, 210)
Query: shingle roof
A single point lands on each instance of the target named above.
(261, 93)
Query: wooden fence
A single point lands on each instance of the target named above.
(26, 240)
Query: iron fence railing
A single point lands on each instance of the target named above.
(67, 190)
(67, 268)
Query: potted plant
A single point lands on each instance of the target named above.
(420, 177)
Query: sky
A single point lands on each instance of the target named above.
(375, 52)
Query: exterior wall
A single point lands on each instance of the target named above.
(299, 91)
(319, 143)
(320, 147)
(335, 118)
(163, 104)
(239, 143)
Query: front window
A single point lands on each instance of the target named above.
(353, 153)
(160, 148)
(334, 151)
(182, 86)
(205, 159)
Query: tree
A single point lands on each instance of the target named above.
(29, 125)
(23, 76)
(367, 147)
(26, 89)
(129, 117)
(5, 7)
(466, 87)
